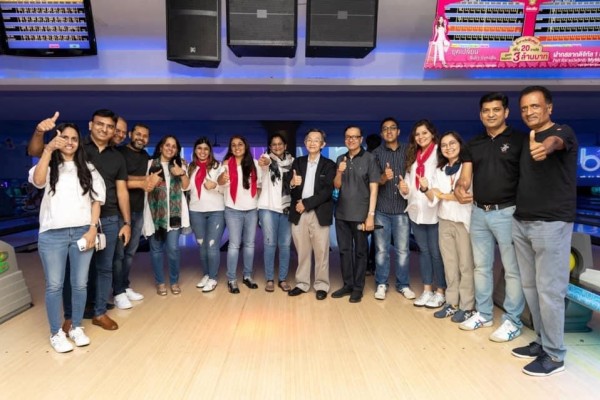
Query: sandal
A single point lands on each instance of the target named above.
(161, 289)
(285, 286)
(270, 286)
(175, 289)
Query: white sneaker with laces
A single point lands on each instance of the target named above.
(133, 295)
(122, 302)
(407, 293)
(210, 285)
(202, 282)
(423, 299)
(436, 301)
(381, 291)
(79, 337)
(475, 322)
(505, 333)
(60, 343)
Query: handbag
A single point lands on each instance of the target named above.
(100, 238)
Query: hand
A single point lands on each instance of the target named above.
(152, 180)
(57, 142)
(48, 124)
(369, 223)
(389, 174)
(296, 179)
(223, 179)
(436, 192)
(125, 233)
(209, 184)
(342, 166)
(90, 238)
(402, 186)
(537, 149)
(300, 207)
(462, 195)
(423, 182)
(177, 170)
(264, 160)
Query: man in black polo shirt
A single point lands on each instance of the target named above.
(357, 179)
(494, 157)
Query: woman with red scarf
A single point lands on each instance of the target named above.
(421, 161)
(207, 211)
(240, 178)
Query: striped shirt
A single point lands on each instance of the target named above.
(389, 199)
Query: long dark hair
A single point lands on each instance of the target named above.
(177, 158)
(248, 166)
(411, 153)
(442, 160)
(80, 159)
(211, 163)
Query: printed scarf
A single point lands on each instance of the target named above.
(160, 206)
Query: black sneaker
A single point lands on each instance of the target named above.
(250, 283)
(532, 350)
(544, 365)
(448, 311)
(233, 287)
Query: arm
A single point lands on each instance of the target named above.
(36, 144)
(462, 192)
(369, 224)
(337, 181)
(90, 235)
(123, 200)
(40, 173)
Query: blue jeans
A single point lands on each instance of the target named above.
(543, 250)
(242, 231)
(398, 227)
(430, 258)
(157, 247)
(54, 247)
(101, 268)
(124, 254)
(487, 228)
(277, 231)
(208, 228)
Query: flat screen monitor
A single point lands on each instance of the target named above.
(60, 28)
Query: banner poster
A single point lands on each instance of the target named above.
(469, 34)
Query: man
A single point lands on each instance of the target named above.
(357, 179)
(311, 214)
(494, 157)
(389, 213)
(136, 160)
(120, 132)
(543, 226)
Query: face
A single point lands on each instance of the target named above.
(139, 137)
(353, 138)
(102, 129)
(450, 147)
(120, 132)
(169, 149)
(238, 149)
(314, 142)
(277, 146)
(423, 137)
(72, 139)
(202, 152)
(390, 132)
(535, 111)
(493, 115)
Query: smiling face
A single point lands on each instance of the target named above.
(237, 148)
(390, 132)
(353, 139)
(72, 138)
(168, 150)
(535, 111)
(450, 147)
(120, 132)
(314, 143)
(202, 152)
(140, 137)
(493, 116)
(423, 136)
(102, 129)
(277, 146)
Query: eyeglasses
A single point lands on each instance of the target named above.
(352, 137)
(389, 128)
(453, 143)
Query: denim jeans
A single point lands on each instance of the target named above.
(543, 250)
(277, 232)
(430, 258)
(124, 254)
(54, 247)
(487, 228)
(101, 268)
(242, 231)
(394, 226)
(157, 247)
(208, 228)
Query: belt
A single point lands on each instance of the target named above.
(494, 207)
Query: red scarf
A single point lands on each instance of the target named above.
(233, 179)
(200, 175)
(422, 157)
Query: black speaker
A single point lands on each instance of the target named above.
(341, 28)
(194, 32)
(262, 28)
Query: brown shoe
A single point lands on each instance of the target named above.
(285, 286)
(270, 286)
(175, 289)
(161, 289)
(66, 326)
(105, 322)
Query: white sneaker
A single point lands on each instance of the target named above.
(436, 301)
(203, 281)
(475, 322)
(506, 332)
(423, 299)
(133, 295)
(380, 292)
(79, 337)
(60, 343)
(210, 285)
(407, 293)
(122, 302)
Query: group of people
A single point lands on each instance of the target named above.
(459, 199)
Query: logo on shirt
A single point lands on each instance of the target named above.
(505, 147)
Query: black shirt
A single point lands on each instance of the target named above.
(111, 166)
(389, 199)
(548, 188)
(495, 166)
(137, 165)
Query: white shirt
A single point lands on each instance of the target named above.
(270, 192)
(418, 208)
(244, 200)
(448, 209)
(67, 207)
(210, 200)
(308, 190)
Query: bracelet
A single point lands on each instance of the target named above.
(424, 190)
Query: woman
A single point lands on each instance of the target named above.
(421, 162)
(440, 40)
(69, 214)
(273, 209)
(166, 211)
(206, 211)
(454, 220)
(241, 177)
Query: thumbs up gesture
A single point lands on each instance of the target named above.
(57, 142)
(223, 179)
(537, 149)
(423, 182)
(342, 166)
(48, 124)
(402, 186)
(296, 179)
(389, 174)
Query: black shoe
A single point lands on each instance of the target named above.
(544, 365)
(345, 291)
(532, 350)
(250, 283)
(356, 296)
(233, 287)
(321, 294)
(296, 292)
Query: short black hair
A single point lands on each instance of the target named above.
(494, 96)
(531, 89)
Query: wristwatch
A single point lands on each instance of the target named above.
(126, 223)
